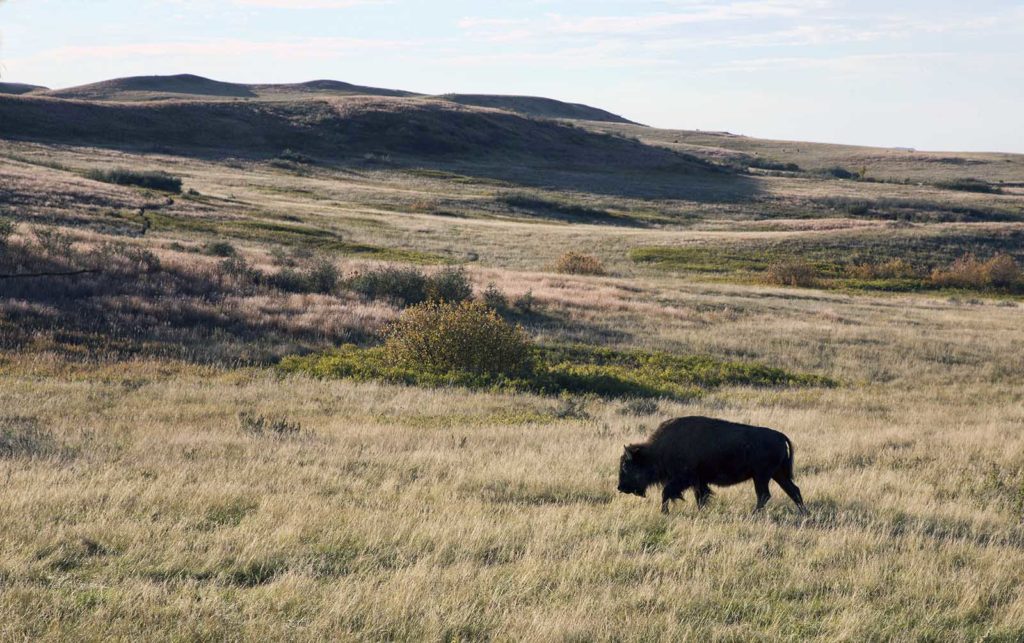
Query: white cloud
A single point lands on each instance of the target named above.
(305, 48)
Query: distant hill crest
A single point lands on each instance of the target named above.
(192, 87)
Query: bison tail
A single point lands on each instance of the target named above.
(788, 464)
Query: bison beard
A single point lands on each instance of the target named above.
(695, 452)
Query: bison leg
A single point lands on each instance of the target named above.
(763, 495)
(703, 493)
(672, 491)
(791, 490)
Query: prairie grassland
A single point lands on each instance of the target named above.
(400, 513)
(137, 505)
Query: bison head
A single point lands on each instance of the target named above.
(636, 472)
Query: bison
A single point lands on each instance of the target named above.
(694, 452)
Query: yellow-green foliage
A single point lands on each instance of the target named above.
(467, 337)
(552, 369)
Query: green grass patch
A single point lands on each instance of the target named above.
(835, 257)
(854, 263)
(291, 235)
(580, 369)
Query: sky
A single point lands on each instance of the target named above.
(937, 75)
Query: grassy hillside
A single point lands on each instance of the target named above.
(537, 107)
(17, 89)
(882, 164)
(202, 436)
(150, 88)
(334, 128)
(189, 86)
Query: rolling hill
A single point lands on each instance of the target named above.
(19, 88)
(537, 107)
(189, 86)
(186, 86)
(330, 127)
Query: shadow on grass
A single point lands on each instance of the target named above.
(385, 133)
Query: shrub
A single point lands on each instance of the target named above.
(220, 249)
(124, 258)
(449, 284)
(792, 272)
(577, 263)
(407, 286)
(273, 426)
(640, 406)
(1001, 271)
(892, 269)
(468, 337)
(321, 277)
(151, 180)
(6, 230)
(238, 272)
(53, 242)
(526, 303)
(494, 298)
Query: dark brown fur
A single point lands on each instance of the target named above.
(694, 452)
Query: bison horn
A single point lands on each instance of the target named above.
(629, 454)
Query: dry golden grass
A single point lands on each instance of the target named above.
(411, 514)
(137, 507)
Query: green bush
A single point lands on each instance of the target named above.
(220, 249)
(494, 298)
(467, 337)
(407, 286)
(151, 180)
(449, 284)
(321, 277)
